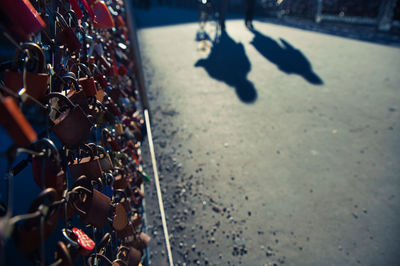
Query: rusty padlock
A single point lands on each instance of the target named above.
(120, 182)
(87, 82)
(130, 255)
(141, 241)
(66, 36)
(128, 231)
(15, 123)
(104, 158)
(76, 95)
(120, 219)
(108, 138)
(29, 236)
(47, 171)
(88, 166)
(95, 206)
(21, 19)
(72, 126)
(122, 198)
(32, 76)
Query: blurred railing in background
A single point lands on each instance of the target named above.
(384, 14)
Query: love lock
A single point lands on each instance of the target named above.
(34, 72)
(47, 171)
(104, 19)
(76, 95)
(130, 255)
(95, 206)
(66, 36)
(120, 219)
(23, 19)
(72, 126)
(15, 123)
(107, 137)
(79, 240)
(87, 82)
(88, 166)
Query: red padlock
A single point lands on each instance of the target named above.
(21, 18)
(15, 123)
(79, 240)
(88, 84)
(66, 36)
(103, 19)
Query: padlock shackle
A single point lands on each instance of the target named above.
(79, 190)
(91, 258)
(48, 193)
(67, 233)
(104, 241)
(81, 67)
(59, 96)
(30, 49)
(63, 254)
(70, 77)
(49, 146)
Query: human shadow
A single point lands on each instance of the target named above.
(228, 62)
(287, 58)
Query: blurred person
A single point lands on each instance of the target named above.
(250, 6)
(222, 7)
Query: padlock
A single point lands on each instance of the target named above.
(87, 82)
(28, 237)
(76, 95)
(66, 36)
(15, 123)
(113, 108)
(128, 231)
(141, 241)
(136, 220)
(95, 206)
(119, 129)
(47, 171)
(120, 182)
(105, 160)
(122, 70)
(72, 127)
(130, 255)
(122, 198)
(79, 240)
(36, 80)
(88, 166)
(108, 138)
(21, 19)
(120, 219)
(103, 19)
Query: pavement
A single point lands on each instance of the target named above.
(275, 146)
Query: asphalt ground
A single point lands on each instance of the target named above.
(275, 146)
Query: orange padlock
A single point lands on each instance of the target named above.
(15, 123)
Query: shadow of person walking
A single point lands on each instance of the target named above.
(228, 62)
(287, 58)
